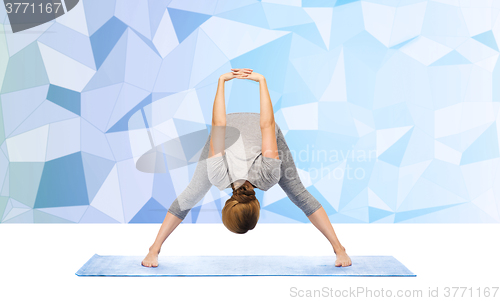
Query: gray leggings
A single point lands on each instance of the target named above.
(289, 182)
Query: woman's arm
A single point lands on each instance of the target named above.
(218, 121)
(267, 123)
(219, 113)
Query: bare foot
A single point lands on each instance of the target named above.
(151, 259)
(342, 258)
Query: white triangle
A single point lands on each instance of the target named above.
(336, 90)
(387, 137)
(180, 180)
(165, 39)
(190, 109)
(238, 38)
(331, 185)
(273, 195)
(17, 204)
(64, 71)
(446, 153)
(486, 202)
(408, 176)
(208, 198)
(13, 213)
(30, 146)
(376, 202)
(164, 131)
(495, 12)
(75, 19)
(378, 20)
(362, 128)
(488, 64)
(322, 16)
(108, 198)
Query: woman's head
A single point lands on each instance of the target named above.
(242, 209)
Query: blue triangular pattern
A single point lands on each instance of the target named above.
(377, 84)
(101, 12)
(185, 22)
(308, 31)
(147, 41)
(156, 12)
(112, 70)
(104, 40)
(487, 38)
(193, 143)
(358, 44)
(62, 183)
(324, 203)
(151, 213)
(23, 218)
(287, 208)
(352, 186)
(195, 212)
(484, 148)
(405, 215)
(394, 154)
(270, 59)
(68, 99)
(44, 217)
(210, 213)
(318, 3)
(96, 171)
(397, 46)
(496, 79)
(25, 70)
(375, 214)
(163, 188)
(342, 218)
(92, 215)
(218, 204)
(186, 127)
(252, 14)
(122, 124)
(452, 58)
(343, 2)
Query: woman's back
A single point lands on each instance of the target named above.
(248, 125)
(244, 156)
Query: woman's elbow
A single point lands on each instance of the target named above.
(267, 124)
(218, 122)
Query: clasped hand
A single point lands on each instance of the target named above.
(242, 73)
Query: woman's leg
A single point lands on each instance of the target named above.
(292, 185)
(290, 181)
(192, 194)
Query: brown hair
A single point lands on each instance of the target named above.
(242, 209)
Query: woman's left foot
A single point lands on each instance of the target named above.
(151, 260)
(342, 259)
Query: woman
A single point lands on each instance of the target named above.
(260, 158)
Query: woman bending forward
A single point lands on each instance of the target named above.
(259, 157)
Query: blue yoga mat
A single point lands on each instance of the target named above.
(191, 266)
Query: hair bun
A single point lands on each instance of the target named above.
(243, 194)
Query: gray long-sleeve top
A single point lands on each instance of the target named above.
(289, 181)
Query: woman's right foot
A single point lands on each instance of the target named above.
(151, 260)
